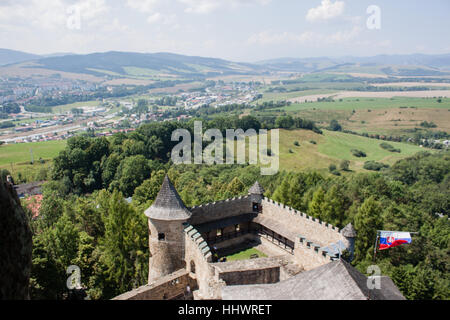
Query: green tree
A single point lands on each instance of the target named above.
(124, 246)
(131, 172)
(367, 222)
(317, 203)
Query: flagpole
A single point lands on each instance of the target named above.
(375, 247)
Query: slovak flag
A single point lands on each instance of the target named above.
(389, 239)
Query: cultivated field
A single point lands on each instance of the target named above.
(366, 94)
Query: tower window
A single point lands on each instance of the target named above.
(161, 236)
(237, 228)
(219, 232)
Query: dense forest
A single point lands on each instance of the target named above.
(86, 220)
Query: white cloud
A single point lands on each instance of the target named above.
(145, 6)
(160, 18)
(208, 6)
(326, 10)
(305, 38)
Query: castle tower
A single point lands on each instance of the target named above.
(166, 237)
(256, 193)
(349, 234)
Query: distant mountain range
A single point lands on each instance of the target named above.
(124, 64)
(11, 56)
(428, 63)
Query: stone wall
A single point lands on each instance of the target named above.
(308, 255)
(198, 257)
(220, 210)
(235, 241)
(318, 231)
(165, 288)
(251, 271)
(166, 256)
(15, 246)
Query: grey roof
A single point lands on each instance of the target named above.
(256, 189)
(336, 280)
(168, 204)
(349, 231)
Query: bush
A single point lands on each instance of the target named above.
(335, 126)
(290, 151)
(389, 147)
(313, 142)
(332, 167)
(296, 143)
(374, 166)
(345, 165)
(427, 124)
(358, 153)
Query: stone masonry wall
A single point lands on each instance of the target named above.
(165, 288)
(220, 209)
(251, 271)
(308, 256)
(313, 229)
(166, 256)
(198, 257)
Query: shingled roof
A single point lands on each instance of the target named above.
(336, 280)
(349, 231)
(256, 189)
(168, 204)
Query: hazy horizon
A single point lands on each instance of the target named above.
(44, 55)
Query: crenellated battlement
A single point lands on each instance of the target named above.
(198, 240)
(211, 204)
(301, 214)
(296, 221)
(220, 209)
(313, 247)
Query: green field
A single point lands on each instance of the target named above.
(370, 103)
(333, 147)
(245, 254)
(338, 145)
(279, 96)
(20, 153)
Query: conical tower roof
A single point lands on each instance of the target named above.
(256, 189)
(168, 204)
(349, 231)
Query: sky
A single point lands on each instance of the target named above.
(237, 30)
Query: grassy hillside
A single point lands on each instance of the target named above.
(332, 148)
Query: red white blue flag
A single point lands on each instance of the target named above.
(389, 239)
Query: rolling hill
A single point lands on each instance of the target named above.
(393, 65)
(163, 65)
(135, 64)
(11, 56)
